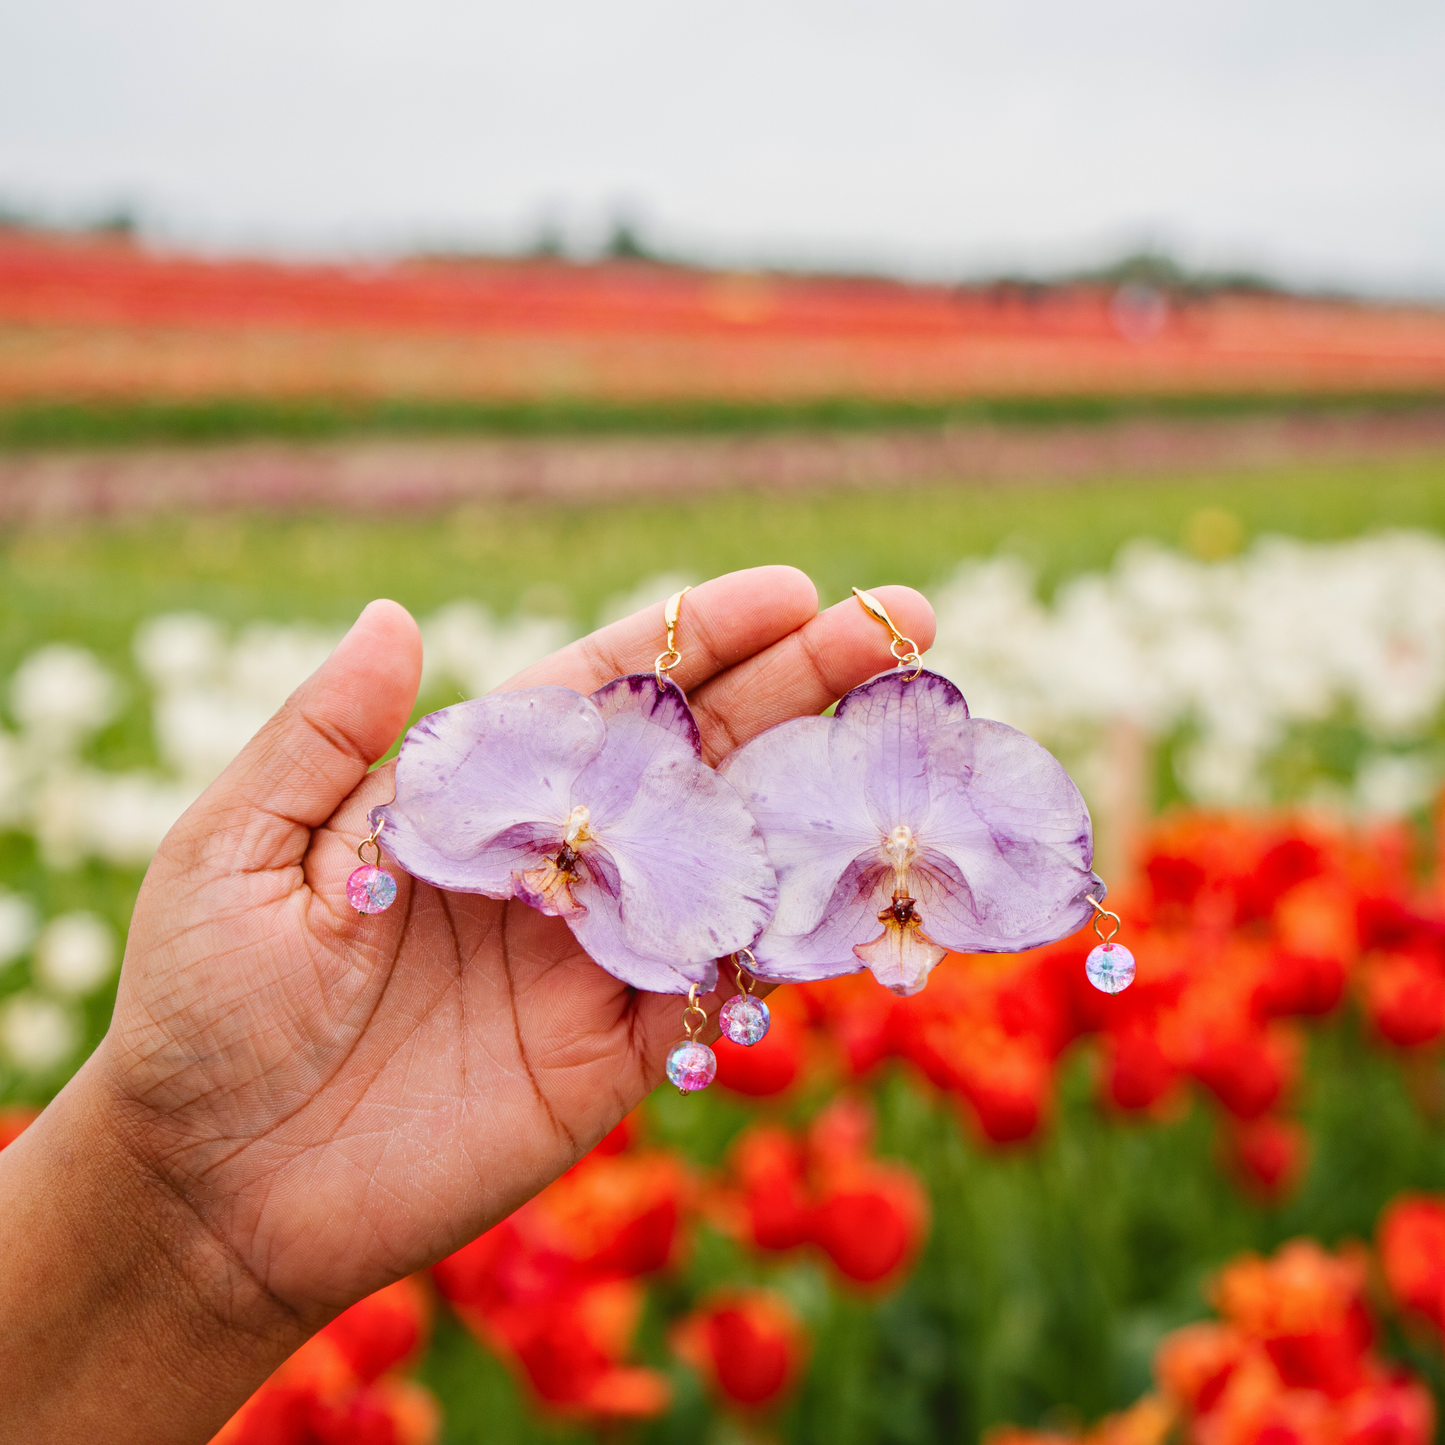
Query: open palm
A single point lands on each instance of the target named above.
(340, 1100)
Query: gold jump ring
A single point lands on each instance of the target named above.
(1101, 912)
(745, 981)
(694, 1008)
(370, 842)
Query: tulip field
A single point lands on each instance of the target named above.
(99, 319)
(1009, 1208)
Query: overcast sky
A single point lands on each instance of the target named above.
(1302, 137)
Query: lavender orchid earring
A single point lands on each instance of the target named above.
(598, 810)
(902, 828)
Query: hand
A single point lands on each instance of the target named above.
(295, 1104)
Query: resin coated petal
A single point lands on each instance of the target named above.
(901, 723)
(804, 783)
(647, 726)
(848, 917)
(1008, 817)
(479, 783)
(695, 878)
(599, 931)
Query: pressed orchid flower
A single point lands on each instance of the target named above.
(901, 828)
(598, 810)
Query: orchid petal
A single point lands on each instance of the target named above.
(696, 881)
(849, 916)
(478, 785)
(647, 726)
(599, 931)
(900, 722)
(805, 783)
(1013, 824)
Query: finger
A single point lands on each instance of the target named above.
(721, 623)
(806, 671)
(313, 753)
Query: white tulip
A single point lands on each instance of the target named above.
(18, 922)
(74, 954)
(37, 1034)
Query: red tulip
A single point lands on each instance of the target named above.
(316, 1398)
(1398, 1411)
(769, 1067)
(871, 1225)
(1299, 984)
(1138, 1073)
(1412, 1254)
(1306, 1307)
(382, 1331)
(1246, 1072)
(1404, 995)
(553, 1289)
(14, 1122)
(570, 1351)
(748, 1345)
(1193, 1364)
(772, 1170)
(1269, 1153)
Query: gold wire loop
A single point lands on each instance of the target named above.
(671, 610)
(745, 981)
(909, 656)
(693, 1010)
(370, 842)
(1100, 912)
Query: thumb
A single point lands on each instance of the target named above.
(294, 774)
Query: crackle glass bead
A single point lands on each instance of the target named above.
(691, 1066)
(744, 1019)
(371, 889)
(1110, 967)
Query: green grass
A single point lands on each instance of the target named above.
(92, 582)
(129, 423)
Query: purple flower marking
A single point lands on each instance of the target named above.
(902, 828)
(596, 809)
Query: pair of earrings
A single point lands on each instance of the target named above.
(885, 836)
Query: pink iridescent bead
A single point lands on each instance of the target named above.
(744, 1019)
(1110, 968)
(691, 1066)
(371, 889)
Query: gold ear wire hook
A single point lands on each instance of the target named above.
(671, 610)
(910, 656)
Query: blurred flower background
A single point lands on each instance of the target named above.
(1118, 334)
